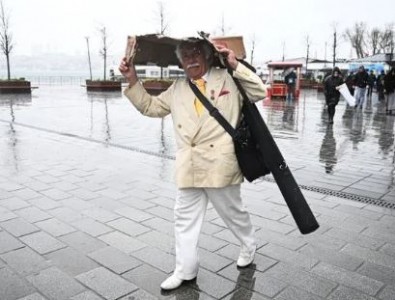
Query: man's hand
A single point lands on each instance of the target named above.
(128, 71)
(228, 54)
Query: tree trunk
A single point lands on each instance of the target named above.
(8, 66)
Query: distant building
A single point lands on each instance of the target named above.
(377, 62)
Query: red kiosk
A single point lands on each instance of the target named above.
(277, 72)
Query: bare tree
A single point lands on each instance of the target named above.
(6, 44)
(223, 28)
(374, 39)
(356, 36)
(253, 42)
(89, 57)
(307, 51)
(104, 49)
(386, 42)
(334, 46)
(163, 24)
(162, 18)
(283, 44)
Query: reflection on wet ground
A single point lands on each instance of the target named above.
(355, 155)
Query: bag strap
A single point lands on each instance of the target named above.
(214, 112)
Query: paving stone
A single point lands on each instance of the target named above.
(360, 212)
(10, 186)
(212, 261)
(76, 204)
(378, 272)
(129, 227)
(286, 255)
(42, 242)
(350, 237)
(45, 203)
(66, 214)
(210, 229)
(388, 293)
(14, 203)
(156, 258)
(55, 194)
(106, 283)
(345, 293)
(32, 214)
(12, 286)
(140, 295)
(213, 284)
(25, 194)
(210, 243)
(112, 194)
(388, 249)
(71, 261)
(162, 212)
(122, 242)
(293, 293)
(108, 204)
(136, 203)
(302, 279)
(332, 257)
(65, 187)
(8, 243)
(244, 294)
(88, 295)
(55, 227)
(5, 214)
(25, 261)
(160, 225)
(35, 296)
(18, 227)
(261, 262)
(347, 278)
(133, 214)
(82, 242)
(286, 241)
(92, 227)
(115, 260)
(251, 279)
(140, 193)
(272, 225)
(161, 241)
(370, 255)
(100, 215)
(82, 193)
(55, 284)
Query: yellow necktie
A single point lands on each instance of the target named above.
(201, 84)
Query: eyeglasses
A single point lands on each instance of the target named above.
(190, 54)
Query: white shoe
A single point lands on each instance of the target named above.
(171, 283)
(245, 260)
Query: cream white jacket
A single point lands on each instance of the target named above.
(205, 153)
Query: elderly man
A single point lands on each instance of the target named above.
(206, 165)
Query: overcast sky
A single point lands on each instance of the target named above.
(61, 25)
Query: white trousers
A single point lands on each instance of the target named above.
(189, 212)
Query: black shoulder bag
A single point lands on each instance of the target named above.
(249, 157)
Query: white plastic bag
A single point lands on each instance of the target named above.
(343, 89)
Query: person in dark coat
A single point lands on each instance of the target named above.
(361, 82)
(332, 95)
(290, 81)
(350, 82)
(380, 85)
(371, 82)
(389, 85)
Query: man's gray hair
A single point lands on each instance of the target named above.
(200, 44)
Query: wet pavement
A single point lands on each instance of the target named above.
(86, 198)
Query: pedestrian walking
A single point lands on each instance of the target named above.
(332, 95)
(290, 81)
(389, 85)
(206, 165)
(371, 82)
(361, 82)
(380, 85)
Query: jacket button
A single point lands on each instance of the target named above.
(211, 146)
(193, 144)
(179, 126)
